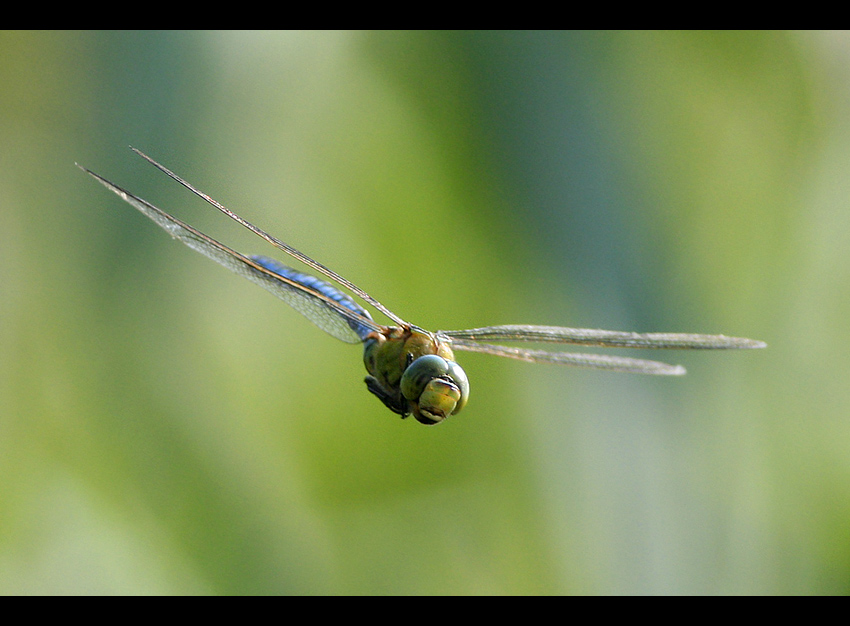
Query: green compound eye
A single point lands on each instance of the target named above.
(435, 387)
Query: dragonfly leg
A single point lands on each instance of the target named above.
(394, 402)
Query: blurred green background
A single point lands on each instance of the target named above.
(167, 427)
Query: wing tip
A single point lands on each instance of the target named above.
(740, 343)
(677, 370)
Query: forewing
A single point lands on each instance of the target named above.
(604, 338)
(285, 247)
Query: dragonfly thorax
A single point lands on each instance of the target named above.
(412, 371)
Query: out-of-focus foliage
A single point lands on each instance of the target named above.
(166, 427)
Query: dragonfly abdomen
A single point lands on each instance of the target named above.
(319, 285)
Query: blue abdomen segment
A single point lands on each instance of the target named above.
(322, 287)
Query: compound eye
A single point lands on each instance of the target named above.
(435, 388)
(421, 372)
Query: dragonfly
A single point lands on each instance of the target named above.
(411, 370)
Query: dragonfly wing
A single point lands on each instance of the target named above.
(277, 242)
(326, 312)
(604, 338)
(595, 361)
(470, 340)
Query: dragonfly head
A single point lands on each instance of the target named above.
(435, 388)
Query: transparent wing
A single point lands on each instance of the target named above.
(277, 243)
(305, 296)
(605, 338)
(470, 341)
